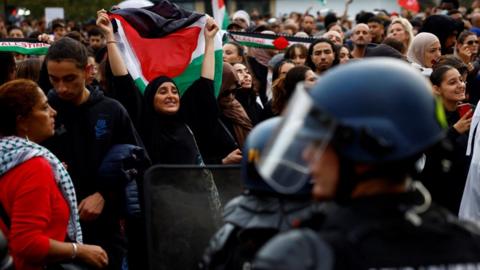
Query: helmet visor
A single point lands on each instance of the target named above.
(301, 139)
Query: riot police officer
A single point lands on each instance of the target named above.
(252, 218)
(359, 133)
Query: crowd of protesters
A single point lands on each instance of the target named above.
(83, 86)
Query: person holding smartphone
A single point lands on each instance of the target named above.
(446, 168)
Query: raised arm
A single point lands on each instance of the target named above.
(208, 66)
(114, 57)
(345, 12)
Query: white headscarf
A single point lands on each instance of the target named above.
(243, 15)
(420, 44)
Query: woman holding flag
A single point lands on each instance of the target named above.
(172, 125)
(115, 78)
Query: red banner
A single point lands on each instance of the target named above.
(411, 5)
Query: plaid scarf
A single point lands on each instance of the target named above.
(15, 150)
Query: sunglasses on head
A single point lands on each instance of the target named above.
(471, 42)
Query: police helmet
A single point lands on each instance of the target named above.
(253, 147)
(373, 111)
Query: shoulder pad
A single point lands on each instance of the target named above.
(265, 212)
(296, 249)
(232, 205)
(473, 227)
(437, 214)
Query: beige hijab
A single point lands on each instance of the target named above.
(420, 44)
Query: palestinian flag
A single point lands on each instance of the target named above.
(164, 40)
(220, 13)
(267, 41)
(26, 46)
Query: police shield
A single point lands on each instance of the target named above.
(183, 210)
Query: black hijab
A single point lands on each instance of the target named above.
(167, 138)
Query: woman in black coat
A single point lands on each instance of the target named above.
(179, 130)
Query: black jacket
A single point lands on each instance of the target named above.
(85, 133)
(250, 221)
(123, 89)
(377, 232)
(446, 168)
(193, 132)
(121, 169)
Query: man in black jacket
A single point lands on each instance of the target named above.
(355, 136)
(88, 124)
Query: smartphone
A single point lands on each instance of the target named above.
(463, 108)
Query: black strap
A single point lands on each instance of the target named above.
(229, 134)
(4, 216)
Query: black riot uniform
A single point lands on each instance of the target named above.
(368, 121)
(377, 232)
(250, 221)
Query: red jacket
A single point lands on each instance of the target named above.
(37, 210)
